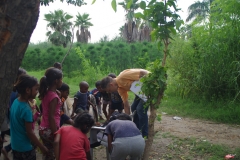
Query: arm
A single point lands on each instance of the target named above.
(110, 140)
(126, 107)
(88, 155)
(94, 110)
(52, 109)
(124, 95)
(56, 145)
(143, 73)
(74, 106)
(33, 138)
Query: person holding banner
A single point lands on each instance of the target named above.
(122, 83)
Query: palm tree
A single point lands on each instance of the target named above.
(60, 25)
(83, 24)
(130, 26)
(199, 10)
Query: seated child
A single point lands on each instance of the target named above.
(71, 142)
(97, 94)
(124, 138)
(81, 99)
(64, 119)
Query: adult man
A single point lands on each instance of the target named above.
(122, 84)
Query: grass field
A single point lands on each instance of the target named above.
(221, 111)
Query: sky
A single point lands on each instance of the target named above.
(105, 21)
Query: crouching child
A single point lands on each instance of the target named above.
(124, 139)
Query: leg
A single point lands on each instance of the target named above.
(5, 151)
(29, 155)
(120, 149)
(104, 109)
(143, 118)
(134, 108)
(99, 111)
(95, 113)
(47, 141)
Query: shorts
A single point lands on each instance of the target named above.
(64, 118)
(80, 110)
(118, 106)
(28, 155)
(106, 102)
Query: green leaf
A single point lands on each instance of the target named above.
(130, 2)
(139, 15)
(142, 4)
(178, 23)
(93, 1)
(114, 5)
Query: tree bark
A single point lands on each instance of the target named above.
(18, 19)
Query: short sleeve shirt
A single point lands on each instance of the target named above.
(125, 80)
(122, 128)
(20, 113)
(82, 100)
(45, 109)
(73, 143)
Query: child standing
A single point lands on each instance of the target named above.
(13, 96)
(97, 94)
(71, 142)
(21, 120)
(50, 108)
(124, 139)
(81, 99)
(65, 119)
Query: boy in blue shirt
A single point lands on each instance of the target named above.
(81, 99)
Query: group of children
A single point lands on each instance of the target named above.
(68, 142)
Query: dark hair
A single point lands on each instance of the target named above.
(19, 73)
(113, 116)
(112, 75)
(84, 122)
(124, 116)
(98, 84)
(48, 80)
(105, 81)
(57, 65)
(64, 87)
(24, 81)
(83, 84)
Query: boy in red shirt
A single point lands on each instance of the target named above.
(71, 142)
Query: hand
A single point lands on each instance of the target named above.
(44, 150)
(97, 124)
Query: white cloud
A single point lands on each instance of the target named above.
(104, 19)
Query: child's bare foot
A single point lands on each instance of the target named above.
(5, 154)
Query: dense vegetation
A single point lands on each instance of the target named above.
(203, 65)
(113, 56)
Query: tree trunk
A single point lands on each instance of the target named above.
(18, 19)
(151, 120)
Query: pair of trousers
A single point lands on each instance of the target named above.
(141, 117)
(128, 146)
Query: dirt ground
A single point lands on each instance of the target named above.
(215, 133)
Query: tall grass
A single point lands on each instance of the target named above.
(217, 111)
